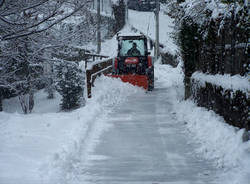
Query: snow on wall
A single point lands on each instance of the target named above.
(226, 81)
(227, 95)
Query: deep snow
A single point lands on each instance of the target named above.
(34, 147)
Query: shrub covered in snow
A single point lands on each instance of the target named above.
(70, 84)
(218, 36)
(213, 37)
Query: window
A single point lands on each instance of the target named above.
(126, 45)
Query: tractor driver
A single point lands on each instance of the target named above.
(134, 51)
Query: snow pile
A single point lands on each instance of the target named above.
(218, 141)
(226, 81)
(169, 76)
(41, 148)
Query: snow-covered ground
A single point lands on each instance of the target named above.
(45, 147)
(218, 141)
(35, 148)
(42, 104)
(50, 147)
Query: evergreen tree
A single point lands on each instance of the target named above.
(70, 84)
(28, 30)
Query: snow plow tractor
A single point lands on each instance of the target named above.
(133, 63)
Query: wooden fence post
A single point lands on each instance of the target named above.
(89, 85)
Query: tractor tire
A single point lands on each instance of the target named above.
(151, 80)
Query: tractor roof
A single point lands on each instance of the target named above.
(130, 37)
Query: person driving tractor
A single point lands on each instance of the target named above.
(134, 51)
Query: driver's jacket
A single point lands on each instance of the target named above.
(134, 52)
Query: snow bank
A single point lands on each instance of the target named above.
(218, 141)
(169, 76)
(42, 148)
(27, 140)
(107, 94)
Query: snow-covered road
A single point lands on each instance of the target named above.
(144, 143)
(124, 135)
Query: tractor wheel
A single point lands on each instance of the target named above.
(151, 80)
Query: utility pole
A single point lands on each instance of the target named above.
(126, 13)
(98, 26)
(102, 6)
(157, 50)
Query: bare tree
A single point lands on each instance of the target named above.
(20, 18)
(25, 33)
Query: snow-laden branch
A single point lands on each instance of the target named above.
(1, 2)
(14, 11)
(38, 28)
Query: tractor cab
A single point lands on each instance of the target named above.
(133, 61)
(132, 55)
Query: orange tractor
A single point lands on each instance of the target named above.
(133, 63)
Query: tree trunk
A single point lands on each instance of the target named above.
(50, 89)
(27, 102)
(22, 100)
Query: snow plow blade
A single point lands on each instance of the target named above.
(136, 80)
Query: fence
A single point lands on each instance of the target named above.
(103, 67)
(223, 50)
